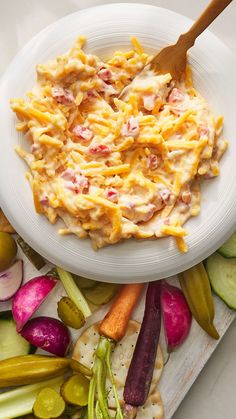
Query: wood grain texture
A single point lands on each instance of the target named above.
(187, 362)
(183, 366)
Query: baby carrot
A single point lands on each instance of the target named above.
(115, 323)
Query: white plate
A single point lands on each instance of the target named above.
(107, 28)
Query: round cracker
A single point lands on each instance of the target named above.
(152, 408)
(121, 357)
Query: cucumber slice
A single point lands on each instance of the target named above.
(11, 343)
(228, 249)
(101, 294)
(222, 275)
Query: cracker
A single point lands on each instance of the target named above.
(5, 226)
(121, 357)
(153, 407)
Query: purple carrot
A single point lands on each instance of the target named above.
(140, 372)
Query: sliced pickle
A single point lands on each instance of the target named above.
(78, 367)
(102, 293)
(84, 283)
(69, 313)
(48, 404)
(75, 390)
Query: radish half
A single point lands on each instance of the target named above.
(47, 333)
(29, 297)
(177, 317)
(10, 280)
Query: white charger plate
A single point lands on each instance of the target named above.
(107, 28)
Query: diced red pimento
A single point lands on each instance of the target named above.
(131, 128)
(90, 95)
(175, 96)
(105, 74)
(80, 180)
(133, 125)
(111, 194)
(165, 195)
(78, 184)
(166, 221)
(204, 131)
(34, 147)
(149, 102)
(68, 174)
(44, 200)
(63, 96)
(82, 132)
(108, 89)
(186, 197)
(153, 162)
(149, 213)
(100, 150)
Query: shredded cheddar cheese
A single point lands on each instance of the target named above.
(114, 168)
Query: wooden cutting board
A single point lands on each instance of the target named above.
(183, 366)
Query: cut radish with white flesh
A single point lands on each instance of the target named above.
(28, 299)
(10, 280)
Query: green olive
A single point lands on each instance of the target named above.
(8, 250)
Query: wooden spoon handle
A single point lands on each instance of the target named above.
(214, 8)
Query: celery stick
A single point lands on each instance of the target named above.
(15, 403)
(119, 414)
(73, 292)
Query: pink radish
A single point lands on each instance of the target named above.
(10, 280)
(47, 333)
(30, 297)
(177, 317)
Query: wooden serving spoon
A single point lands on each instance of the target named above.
(173, 59)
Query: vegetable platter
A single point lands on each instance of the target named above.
(182, 366)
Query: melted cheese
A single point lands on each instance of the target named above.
(116, 168)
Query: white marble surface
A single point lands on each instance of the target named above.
(213, 394)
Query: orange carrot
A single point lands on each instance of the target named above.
(115, 323)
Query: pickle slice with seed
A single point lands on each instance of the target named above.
(102, 293)
(69, 313)
(48, 404)
(75, 390)
(84, 283)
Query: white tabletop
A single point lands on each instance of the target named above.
(213, 394)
